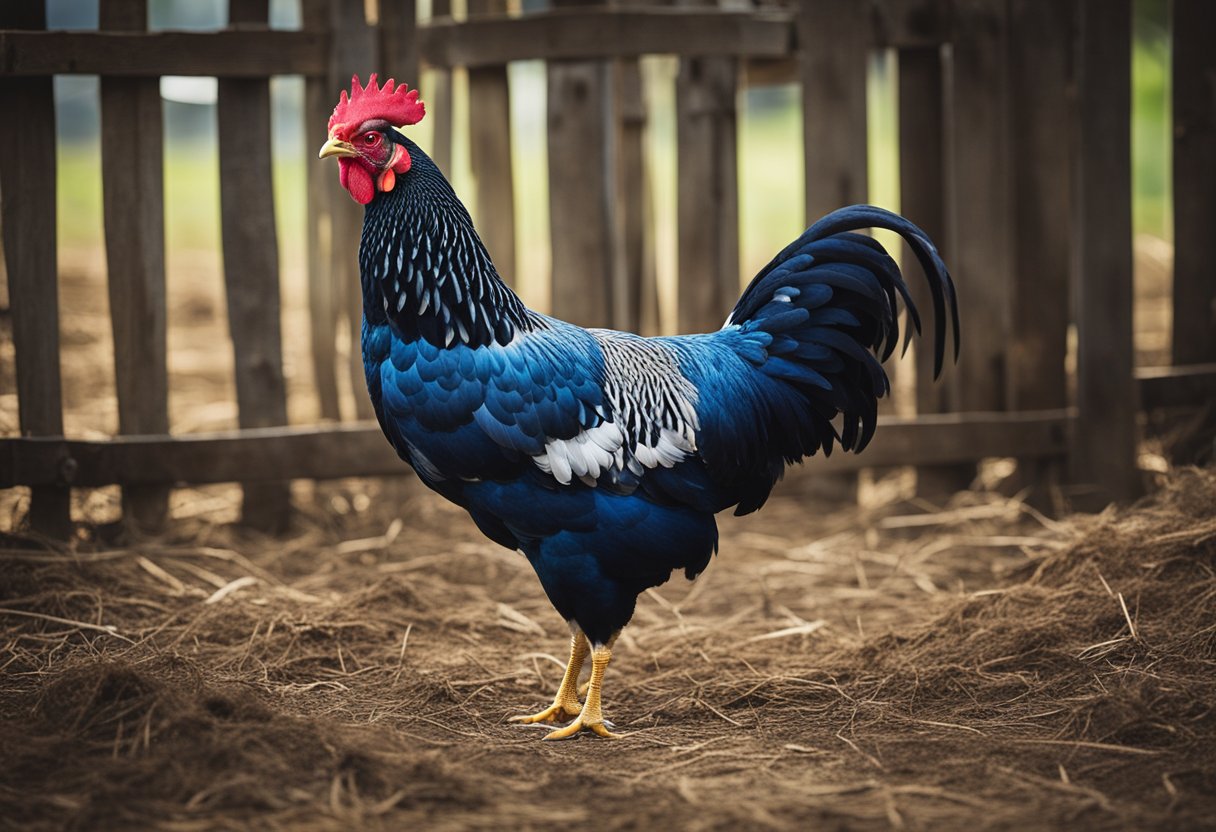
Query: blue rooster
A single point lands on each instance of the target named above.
(601, 455)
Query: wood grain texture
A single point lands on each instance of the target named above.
(922, 188)
(27, 221)
(354, 46)
(707, 191)
(490, 153)
(251, 267)
(571, 32)
(582, 190)
(133, 193)
(833, 48)
(1104, 454)
(438, 97)
(398, 25)
(323, 294)
(243, 53)
(979, 251)
(635, 301)
(360, 450)
(1194, 98)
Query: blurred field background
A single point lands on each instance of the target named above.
(770, 198)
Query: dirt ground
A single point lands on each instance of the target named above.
(909, 665)
(979, 667)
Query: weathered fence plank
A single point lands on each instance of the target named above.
(132, 170)
(359, 450)
(353, 52)
(922, 189)
(323, 294)
(490, 153)
(581, 188)
(707, 185)
(979, 251)
(635, 301)
(229, 54)
(1104, 452)
(27, 217)
(439, 99)
(251, 266)
(398, 26)
(1194, 98)
(1040, 39)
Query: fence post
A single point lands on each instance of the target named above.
(323, 308)
(635, 301)
(27, 216)
(1194, 95)
(581, 182)
(133, 188)
(1104, 450)
(1040, 37)
(833, 39)
(353, 51)
(251, 266)
(490, 153)
(439, 103)
(922, 195)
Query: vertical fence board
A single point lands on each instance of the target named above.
(635, 290)
(133, 192)
(490, 154)
(833, 61)
(1040, 37)
(323, 293)
(922, 177)
(251, 266)
(1194, 94)
(399, 40)
(1104, 449)
(707, 191)
(833, 44)
(354, 46)
(979, 252)
(27, 216)
(581, 188)
(439, 101)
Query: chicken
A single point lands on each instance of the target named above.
(603, 456)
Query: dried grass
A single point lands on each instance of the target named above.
(966, 666)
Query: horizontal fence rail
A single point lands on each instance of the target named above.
(274, 454)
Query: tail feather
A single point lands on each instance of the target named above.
(829, 303)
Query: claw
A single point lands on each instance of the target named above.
(597, 728)
(554, 713)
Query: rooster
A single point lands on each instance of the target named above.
(603, 456)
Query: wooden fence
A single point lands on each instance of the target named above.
(1014, 147)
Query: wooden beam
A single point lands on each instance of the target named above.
(271, 454)
(132, 170)
(1104, 454)
(582, 188)
(27, 219)
(438, 97)
(572, 33)
(353, 51)
(707, 184)
(323, 293)
(251, 266)
(232, 53)
(490, 153)
(1194, 93)
(398, 26)
(980, 254)
(1190, 386)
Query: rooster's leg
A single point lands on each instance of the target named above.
(591, 718)
(566, 704)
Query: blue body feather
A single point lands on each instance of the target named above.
(603, 456)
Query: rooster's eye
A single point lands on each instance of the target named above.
(372, 138)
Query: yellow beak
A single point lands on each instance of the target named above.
(335, 147)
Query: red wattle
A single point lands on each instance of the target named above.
(357, 181)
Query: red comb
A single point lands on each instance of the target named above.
(398, 106)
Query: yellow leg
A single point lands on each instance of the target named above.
(566, 704)
(591, 718)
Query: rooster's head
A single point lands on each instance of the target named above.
(362, 135)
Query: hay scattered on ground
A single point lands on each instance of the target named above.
(915, 666)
